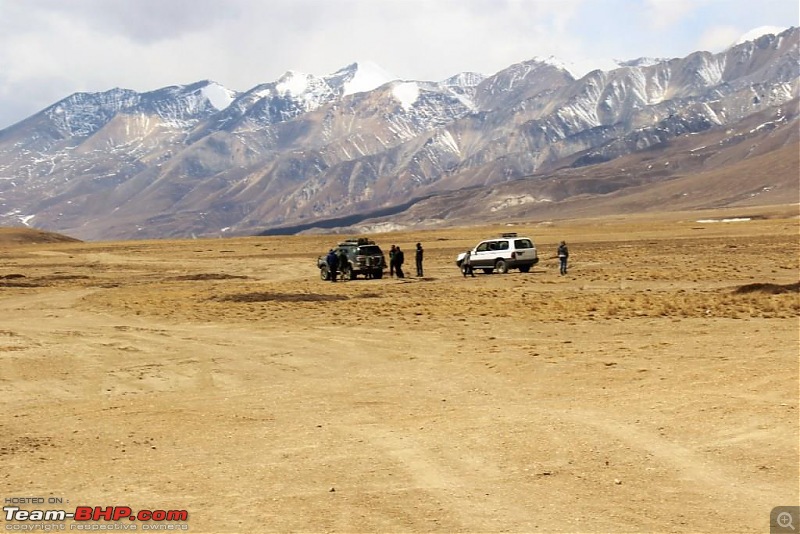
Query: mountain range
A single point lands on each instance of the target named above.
(359, 151)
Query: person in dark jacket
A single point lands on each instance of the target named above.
(391, 260)
(333, 264)
(399, 259)
(563, 255)
(418, 258)
(343, 262)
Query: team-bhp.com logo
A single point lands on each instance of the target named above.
(98, 513)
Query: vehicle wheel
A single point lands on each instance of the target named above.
(487, 271)
(524, 268)
(324, 273)
(377, 274)
(501, 266)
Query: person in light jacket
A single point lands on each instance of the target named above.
(466, 265)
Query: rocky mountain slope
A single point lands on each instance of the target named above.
(754, 163)
(303, 150)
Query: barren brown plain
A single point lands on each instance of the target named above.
(653, 389)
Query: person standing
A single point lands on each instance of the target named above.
(418, 258)
(399, 259)
(333, 264)
(392, 252)
(466, 265)
(343, 263)
(368, 274)
(563, 255)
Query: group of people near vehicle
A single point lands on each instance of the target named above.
(396, 260)
(334, 260)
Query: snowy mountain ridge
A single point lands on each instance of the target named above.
(193, 159)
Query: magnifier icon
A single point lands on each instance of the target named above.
(784, 520)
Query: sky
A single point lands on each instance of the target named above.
(50, 49)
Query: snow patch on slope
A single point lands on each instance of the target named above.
(641, 62)
(515, 200)
(464, 79)
(446, 139)
(407, 93)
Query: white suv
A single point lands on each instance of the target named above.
(502, 253)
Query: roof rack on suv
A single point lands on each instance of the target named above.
(509, 234)
(360, 241)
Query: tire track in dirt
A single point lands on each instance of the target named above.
(701, 473)
(448, 478)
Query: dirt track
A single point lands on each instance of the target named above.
(640, 393)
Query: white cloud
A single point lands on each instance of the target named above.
(53, 48)
(718, 38)
(662, 14)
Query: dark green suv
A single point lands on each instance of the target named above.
(364, 257)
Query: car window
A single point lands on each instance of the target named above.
(369, 250)
(503, 245)
(523, 243)
(483, 247)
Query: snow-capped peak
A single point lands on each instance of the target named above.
(218, 96)
(755, 33)
(293, 83)
(552, 61)
(363, 76)
(580, 68)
